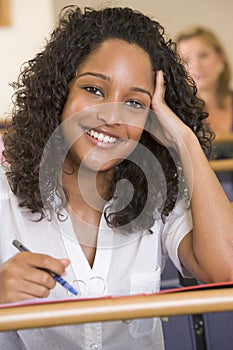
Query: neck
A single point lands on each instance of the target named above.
(88, 190)
(209, 96)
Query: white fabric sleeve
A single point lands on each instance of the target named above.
(177, 225)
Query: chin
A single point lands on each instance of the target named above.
(99, 166)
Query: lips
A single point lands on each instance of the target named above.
(101, 136)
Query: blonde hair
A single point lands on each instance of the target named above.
(223, 87)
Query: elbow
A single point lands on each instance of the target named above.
(218, 276)
(214, 274)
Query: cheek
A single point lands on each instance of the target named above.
(217, 65)
(73, 105)
(136, 124)
(70, 108)
(135, 132)
(211, 63)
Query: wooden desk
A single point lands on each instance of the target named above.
(222, 165)
(224, 138)
(4, 122)
(117, 308)
(2, 130)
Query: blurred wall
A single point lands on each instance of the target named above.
(33, 20)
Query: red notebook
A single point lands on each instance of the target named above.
(164, 291)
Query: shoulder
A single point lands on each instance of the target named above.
(179, 219)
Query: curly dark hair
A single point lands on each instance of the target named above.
(41, 92)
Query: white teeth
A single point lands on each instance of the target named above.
(101, 137)
(106, 139)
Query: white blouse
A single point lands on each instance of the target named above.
(123, 265)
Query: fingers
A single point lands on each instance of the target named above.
(19, 289)
(43, 261)
(159, 88)
(65, 262)
(22, 278)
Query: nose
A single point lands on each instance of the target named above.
(110, 113)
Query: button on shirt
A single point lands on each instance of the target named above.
(127, 264)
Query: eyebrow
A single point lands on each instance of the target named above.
(98, 75)
(105, 77)
(138, 89)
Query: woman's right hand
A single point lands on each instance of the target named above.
(21, 276)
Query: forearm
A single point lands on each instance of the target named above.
(207, 252)
(212, 239)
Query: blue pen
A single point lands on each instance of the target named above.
(58, 278)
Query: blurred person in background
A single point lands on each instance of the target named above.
(205, 59)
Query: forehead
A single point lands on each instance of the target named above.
(194, 43)
(116, 53)
(119, 50)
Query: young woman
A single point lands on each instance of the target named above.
(106, 175)
(206, 62)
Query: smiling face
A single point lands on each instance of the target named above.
(202, 62)
(108, 104)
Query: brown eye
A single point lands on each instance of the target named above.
(135, 104)
(93, 90)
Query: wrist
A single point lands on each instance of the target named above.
(187, 140)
